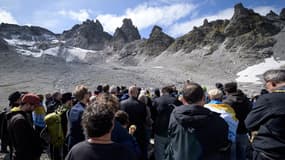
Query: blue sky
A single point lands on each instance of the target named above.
(176, 17)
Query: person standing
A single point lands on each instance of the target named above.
(75, 130)
(163, 106)
(196, 132)
(242, 106)
(25, 142)
(268, 118)
(137, 116)
(98, 123)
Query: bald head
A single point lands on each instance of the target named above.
(133, 91)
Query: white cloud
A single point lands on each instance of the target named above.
(145, 15)
(6, 17)
(184, 27)
(81, 15)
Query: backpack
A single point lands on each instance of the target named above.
(54, 128)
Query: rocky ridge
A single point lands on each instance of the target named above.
(215, 51)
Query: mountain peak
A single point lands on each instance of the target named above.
(282, 14)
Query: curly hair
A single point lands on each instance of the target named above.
(97, 120)
(109, 100)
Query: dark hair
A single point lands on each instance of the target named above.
(13, 98)
(66, 97)
(167, 89)
(157, 92)
(122, 117)
(106, 88)
(274, 75)
(99, 88)
(97, 120)
(192, 93)
(231, 87)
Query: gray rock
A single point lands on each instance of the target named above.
(88, 35)
(158, 42)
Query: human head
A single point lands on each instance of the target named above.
(113, 90)
(106, 88)
(231, 87)
(133, 91)
(67, 98)
(274, 79)
(14, 99)
(122, 117)
(157, 92)
(29, 101)
(57, 96)
(193, 94)
(81, 93)
(166, 90)
(97, 120)
(215, 94)
(109, 101)
(142, 98)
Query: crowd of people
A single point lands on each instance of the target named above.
(135, 123)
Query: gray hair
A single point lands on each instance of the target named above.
(274, 75)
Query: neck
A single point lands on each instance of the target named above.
(83, 101)
(105, 139)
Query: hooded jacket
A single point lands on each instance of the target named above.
(242, 106)
(268, 119)
(196, 132)
(25, 141)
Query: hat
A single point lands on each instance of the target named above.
(14, 96)
(31, 99)
(66, 97)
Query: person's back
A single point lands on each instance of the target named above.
(137, 116)
(197, 132)
(194, 131)
(89, 151)
(98, 122)
(136, 111)
(268, 118)
(75, 130)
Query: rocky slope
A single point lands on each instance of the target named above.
(86, 54)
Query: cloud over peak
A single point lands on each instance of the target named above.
(6, 17)
(80, 15)
(146, 15)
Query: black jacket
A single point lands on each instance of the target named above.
(197, 133)
(242, 106)
(137, 115)
(25, 141)
(268, 119)
(164, 107)
(136, 111)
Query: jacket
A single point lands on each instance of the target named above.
(24, 140)
(75, 131)
(268, 118)
(164, 107)
(136, 111)
(228, 114)
(196, 133)
(242, 106)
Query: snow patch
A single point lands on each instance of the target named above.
(16, 42)
(158, 67)
(250, 74)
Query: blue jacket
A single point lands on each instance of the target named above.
(75, 131)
